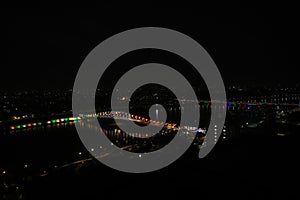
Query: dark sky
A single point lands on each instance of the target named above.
(44, 49)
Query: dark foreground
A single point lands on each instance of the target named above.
(264, 167)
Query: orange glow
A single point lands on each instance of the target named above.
(12, 128)
(57, 120)
(29, 125)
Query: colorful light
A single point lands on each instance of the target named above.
(18, 126)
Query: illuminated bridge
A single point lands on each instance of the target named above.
(20, 124)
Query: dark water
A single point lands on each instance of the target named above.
(39, 147)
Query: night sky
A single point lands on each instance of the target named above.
(44, 49)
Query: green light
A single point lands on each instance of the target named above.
(39, 123)
(18, 126)
(53, 121)
(66, 119)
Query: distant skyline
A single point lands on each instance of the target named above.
(45, 50)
